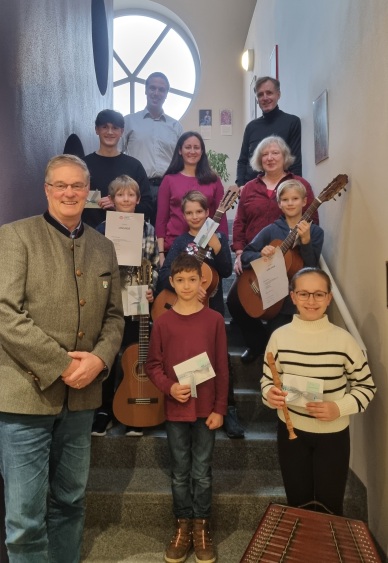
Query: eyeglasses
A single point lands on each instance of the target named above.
(61, 186)
(317, 295)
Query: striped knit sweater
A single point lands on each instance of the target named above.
(323, 350)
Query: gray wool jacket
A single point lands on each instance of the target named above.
(57, 294)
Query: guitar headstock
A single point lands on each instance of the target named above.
(229, 198)
(334, 188)
(144, 273)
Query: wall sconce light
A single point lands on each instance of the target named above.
(248, 59)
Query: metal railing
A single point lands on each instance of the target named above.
(342, 308)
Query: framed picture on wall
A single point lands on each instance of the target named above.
(321, 127)
(274, 63)
(252, 99)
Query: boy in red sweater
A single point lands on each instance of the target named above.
(183, 332)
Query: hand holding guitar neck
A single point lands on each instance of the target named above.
(278, 384)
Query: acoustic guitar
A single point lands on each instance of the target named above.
(210, 279)
(137, 402)
(247, 285)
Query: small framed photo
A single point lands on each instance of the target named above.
(321, 127)
(205, 117)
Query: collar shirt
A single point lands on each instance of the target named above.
(152, 141)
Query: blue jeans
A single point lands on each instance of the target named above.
(44, 461)
(191, 446)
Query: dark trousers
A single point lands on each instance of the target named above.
(154, 187)
(109, 386)
(3, 549)
(314, 467)
(255, 332)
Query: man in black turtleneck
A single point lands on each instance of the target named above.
(274, 121)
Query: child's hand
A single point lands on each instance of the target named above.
(150, 295)
(180, 392)
(276, 397)
(268, 251)
(202, 295)
(214, 243)
(106, 203)
(326, 410)
(303, 229)
(214, 421)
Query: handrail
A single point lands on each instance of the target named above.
(344, 311)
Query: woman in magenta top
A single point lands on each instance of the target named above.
(189, 170)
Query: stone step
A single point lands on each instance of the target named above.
(117, 451)
(135, 503)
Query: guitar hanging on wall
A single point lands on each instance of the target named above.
(247, 285)
(137, 402)
(210, 279)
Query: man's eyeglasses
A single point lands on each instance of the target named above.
(61, 186)
(317, 295)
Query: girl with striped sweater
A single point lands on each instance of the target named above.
(328, 379)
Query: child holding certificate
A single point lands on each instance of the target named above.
(327, 378)
(291, 198)
(185, 331)
(124, 193)
(195, 209)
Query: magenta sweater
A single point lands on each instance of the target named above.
(170, 221)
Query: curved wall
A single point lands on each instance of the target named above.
(48, 91)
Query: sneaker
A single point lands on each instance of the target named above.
(134, 431)
(232, 426)
(101, 424)
(202, 541)
(181, 543)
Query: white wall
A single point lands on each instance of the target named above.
(342, 46)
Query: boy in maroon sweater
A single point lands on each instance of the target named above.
(185, 331)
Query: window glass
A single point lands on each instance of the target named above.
(145, 44)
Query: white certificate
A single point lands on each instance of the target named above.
(302, 390)
(271, 274)
(206, 232)
(125, 230)
(135, 300)
(194, 371)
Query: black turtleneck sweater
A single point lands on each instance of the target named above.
(275, 122)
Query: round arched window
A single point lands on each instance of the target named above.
(146, 43)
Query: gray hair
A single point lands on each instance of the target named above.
(62, 160)
(256, 161)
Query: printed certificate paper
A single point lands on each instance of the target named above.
(125, 230)
(302, 390)
(135, 300)
(194, 371)
(271, 274)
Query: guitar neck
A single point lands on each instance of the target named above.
(143, 338)
(291, 237)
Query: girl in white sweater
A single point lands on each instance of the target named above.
(327, 378)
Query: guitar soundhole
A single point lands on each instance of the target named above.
(167, 306)
(139, 371)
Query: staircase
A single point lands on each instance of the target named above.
(128, 514)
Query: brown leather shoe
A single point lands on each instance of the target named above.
(203, 543)
(181, 543)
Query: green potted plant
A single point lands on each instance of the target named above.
(217, 161)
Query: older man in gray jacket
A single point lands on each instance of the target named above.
(61, 325)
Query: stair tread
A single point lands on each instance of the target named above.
(156, 481)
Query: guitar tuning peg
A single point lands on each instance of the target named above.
(339, 195)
